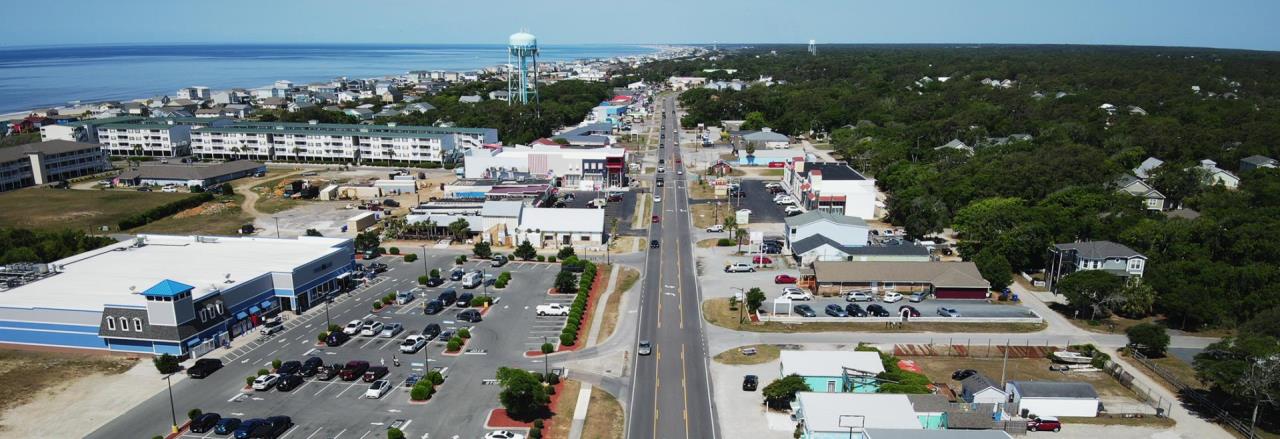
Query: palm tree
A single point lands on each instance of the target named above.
(740, 233)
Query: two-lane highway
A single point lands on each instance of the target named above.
(671, 392)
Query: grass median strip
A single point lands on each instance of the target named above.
(627, 279)
(605, 419)
(764, 353)
(717, 312)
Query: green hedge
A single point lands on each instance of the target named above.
(164, 210)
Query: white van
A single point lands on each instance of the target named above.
(472, 279)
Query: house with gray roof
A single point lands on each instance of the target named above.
(957, 145)
(1152, 199)
(1147, 166)
(945, 280)
(1108, 256)
(1257, 161)
(1054, 398)
(980, 389)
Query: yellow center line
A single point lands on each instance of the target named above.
(684, 387)
(657, 383)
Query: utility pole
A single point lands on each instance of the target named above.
(546, 367)
(277, 226)
(173, 412)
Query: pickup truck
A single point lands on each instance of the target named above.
(554, 309)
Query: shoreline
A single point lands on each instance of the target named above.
(653, 50)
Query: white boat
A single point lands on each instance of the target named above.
(1071, 357)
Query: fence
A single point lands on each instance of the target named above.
(1145, 395)
(1207, 406)
(795, 319)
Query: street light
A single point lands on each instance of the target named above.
(546, 368)
(173, 412)
(425, 270)
(277, 226)
(741, 303)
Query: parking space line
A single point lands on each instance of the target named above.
(315, 433)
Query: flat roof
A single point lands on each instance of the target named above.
(189, 172)
(822, 411)
(938, 274)
(550, 219)
(12, 153)
(91, 280)
(829, 363)
(359, 127)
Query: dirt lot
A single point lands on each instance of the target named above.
(558, 426)
(605, 419)
(939, 369)
(219, 217)
(19, 385)
(46, 209)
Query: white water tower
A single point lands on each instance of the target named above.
(522, 55)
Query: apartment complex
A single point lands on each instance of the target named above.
(166, 137)
(47, 162)
(347, 143)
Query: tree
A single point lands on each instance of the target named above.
(1176, 182)
(166, 364)
(394, 433)
(482, 250)
(780, 392)
(525, 251)
(460, 229)
(1149, 338)
(565, 282)
(1245, 366)
(367, 240)
(994, 268)
(927, 215)
(523, 395)
(566, 252)
(313, 232)
(1137, 297)
(740, 234)
(755, 298)
(730, 223)
(754, 121)
(1092, 290)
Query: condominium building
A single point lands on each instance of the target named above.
(47, 162)
(350, 143)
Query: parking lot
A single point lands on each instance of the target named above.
(623, 210)
(337, 408)
(928, 307)
(760, 201)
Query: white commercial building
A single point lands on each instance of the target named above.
(582, 168)
(1054, 398)
(552, 227)
(831, 186)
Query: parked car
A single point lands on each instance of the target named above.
(246, 428)
(916, 298)
(716, 228)
(503, 434)
(448, 296)
(289, 367)
(353, 327)
(327, 373)
(391, 330)
(644, 348)
(266, 382)
(792, 210)
(226, 425)
(271, 326)
(457, 273)
(375, 373)
(835, 310)
(962, 374)
(948, 312)
(353, 370)
(464, 300)
(289, 382)
(858, 296)
(877, 311)
(498, 261)
(750, 383)
(311, 366)
(853, 310)
(445, 336)
(272, 428)
(433, 307)
(435, 281)
(412, 344)
(552, 309)
(204, 367)
(891, 297)
(740, 267)
(909, 310)
(784, 279)
(378, 267)
(469, 316)
(1046, 423)
(771, 249)
(371, 328)
(793, 293)
(390, 203)
(762, 260)
(205, 422)
(336, 339)
(804, 311)
(431, 331)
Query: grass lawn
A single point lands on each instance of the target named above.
(643, 204)
(1149, 421)
(704, 215)
(627, 279)
(701, 191)
(19, 385)
(717, 312)
(771, 172)
(560, 424)
(605, 419)
(939, 369)
(1118, 325)
(764, 354)
(219, 217)
(708, 243)
(56, 209)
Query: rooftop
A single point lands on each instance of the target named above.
(1054, 389)
(562, 219)
(882, 433)
(822, 411)
(829, 363)
(188, 172)
(110, 275)
(833, 171)
(1100, 250)
(822, 215)
(939, 274)
(12, 153)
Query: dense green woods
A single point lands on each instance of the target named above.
(23, 245)
(563, 103)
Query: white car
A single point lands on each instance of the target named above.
(680, 171)
(169, 189)
(265, 382)
(657, 198)
(740, 267)
(858, 296)
(503, 434)
(793, 210)
(793, 293)
(553, 309)
(716, 228)
(891, 297)
(353, 327)
(377, 389)
(772, 185)
(662, 170)
(371, 329)
(779, 197)
(786, 199)
(413, 344)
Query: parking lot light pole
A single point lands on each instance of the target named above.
(546, 367)
(741, 303)
(277, 226)
(425, 271)
(173, 412)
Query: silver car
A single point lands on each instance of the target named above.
(391, 330)
(948, 312)
(858, 296)
(645, 348)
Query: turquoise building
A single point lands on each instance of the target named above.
(834, 371)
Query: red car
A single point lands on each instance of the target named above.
(763, 260)
(1045, 424)
(656, 219)
(784, 279)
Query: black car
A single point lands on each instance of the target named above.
(433, 307)
(204, 367)
(288, 382)
(457, 273)
(469, 316)
(205, 422)
(272, 428)
(877, 311)
(853, 310)
(435, 281)
(378, 267)
(804, 311)
(336, 338)
(328, 372)
(289, 367)
(962, 374)
(835, 310)
(448, 296)
(311, 366)
(750, 382)
(226, 425)
(390, 203)
(464, 300)
(911, 311)
(431, 331)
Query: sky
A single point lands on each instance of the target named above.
(1239, 24)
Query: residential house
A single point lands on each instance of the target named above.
(1257, 161)
(274, 103)
(498, 95)
(957, 145)
(1152, 199)
(359, 113)
(1108, 256)
(419, 107)
(297, 106)
(1214, 176)
(1054, 398)
(945, 280)
(979, 389)
(1145, 169)
(830, 186)
(834, 371)
(469, 99)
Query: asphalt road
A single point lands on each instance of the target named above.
(671, 392)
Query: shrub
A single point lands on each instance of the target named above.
(394, 433)
(535, 433)
(548, 348)
(461, 259)
(435, 272)
(386, 301)
(464, 333)
(275, 364)
(164, 210)
(551, 259)
(551, 390)
(262, 372)
(248, 381)
(422, 280)
(542, 258)
(567, 339)
(395, 250)
(553, 379)
(377, 305)
(166, 364)
(1149, 338)
(382, 250)
(435, 377)
(724, 242)
(454, 344)
(419, 392)
(481, 301)
(572, 326)
(411, 257)
(321, 336)
(500, 283)
(334, 328)
(565, 252)
(194, 413)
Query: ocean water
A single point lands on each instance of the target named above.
(34, 77)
